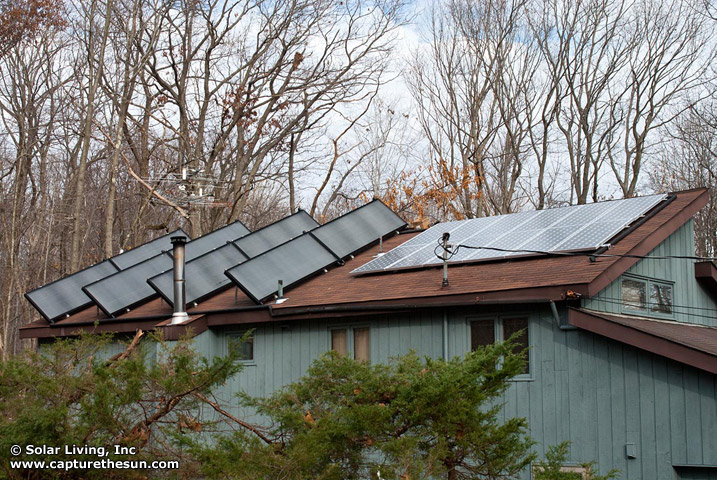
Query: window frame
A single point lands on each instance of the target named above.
(350, 327)
(649, 282)
(240, 333)
(498, 337)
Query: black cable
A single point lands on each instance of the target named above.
(691, 314)
(619, 300)
(453, 251)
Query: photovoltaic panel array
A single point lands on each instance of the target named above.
(353, 231)
(64, 297)
(290, 262)
(128, 288)
(310, 253)
(205, 274)
(566, 229)
(144, 251)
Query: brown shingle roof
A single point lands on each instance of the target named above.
(518, 279)
(576, 273)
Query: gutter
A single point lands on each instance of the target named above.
(403, 307)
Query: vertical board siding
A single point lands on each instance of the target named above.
(597, 393)
(691, 302)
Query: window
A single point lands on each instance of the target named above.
(515, 325)
(661, 298)
(570, 472)
(644, 295)
(490, 330)
(244, 348)
(356, 337)
(634, 294)
(482, 333)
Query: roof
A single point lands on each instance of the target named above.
(516, 280)
(691, 344)
(519, 279)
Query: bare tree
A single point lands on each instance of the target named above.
(668, 67)
(95, 39)
(455, 84)
(690, 161)
(274, 68)
(29, 101)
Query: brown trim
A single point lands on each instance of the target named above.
(706, 275)
(520, 295)
(189, 329)
(73, 330)
(645, 341)
(648, 244)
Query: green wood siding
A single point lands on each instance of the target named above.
(595, 392)
(691, 302)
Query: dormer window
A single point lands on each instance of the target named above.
(646, 296)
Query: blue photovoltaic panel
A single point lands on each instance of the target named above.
(358, 228)
(65, 296)
(145, 251)
(205, 274)
(575, 228)
(289, 262)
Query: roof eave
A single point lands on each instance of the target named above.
(642, 340)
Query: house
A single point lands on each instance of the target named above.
(620, 318)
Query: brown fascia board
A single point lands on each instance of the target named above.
(706, 275)
(515, 296)
(611, 273)
(642, 340)
(69, 330)
(193, 327)
(190, 328)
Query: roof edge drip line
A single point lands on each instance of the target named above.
(286, 312)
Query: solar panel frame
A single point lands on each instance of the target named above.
(604, 218)
(359, 228)
(107, 267)
(147, 250)
(264, 238)
(215, 239)
(111, 294)
(247, 275)
(268, 236)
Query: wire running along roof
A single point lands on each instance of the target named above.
(128, 288)
(205, 274)
(315, 250)
(566, 229)
(63, 297)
